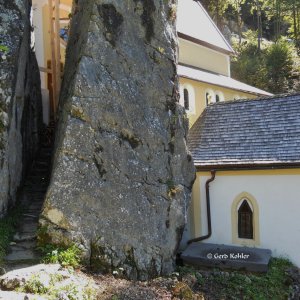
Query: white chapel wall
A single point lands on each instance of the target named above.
(278, 198)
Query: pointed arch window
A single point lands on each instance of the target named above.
(245, 221)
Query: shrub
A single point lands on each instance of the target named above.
(67, 257)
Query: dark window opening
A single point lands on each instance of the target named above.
(207, 96)
(186, 98)
(245, 221)
(217, 98)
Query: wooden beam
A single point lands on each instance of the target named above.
(62, 41)
(53, 60)
(45, 70)
(57, 50)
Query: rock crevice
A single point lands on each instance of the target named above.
(20, 99)
(122, 174)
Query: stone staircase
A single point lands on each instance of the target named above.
(22, 250)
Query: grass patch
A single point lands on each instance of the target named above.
(54, 287)
(7, 229)
(275, 284)
(67, 257)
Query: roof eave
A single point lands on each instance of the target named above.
(205, 44)
(263, 93)
(249, 166)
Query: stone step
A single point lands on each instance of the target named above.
(29, 227)
(36, 177)
(34, 212)
(25, 245)
(35, 192)
(28, 215)
(35, 205)
(23, 248)
(21, 256)
(36, 182)
(35, 197)
(34, 208)
(23, 237)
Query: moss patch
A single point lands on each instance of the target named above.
(133, 141)
(98, 260)
(7, 230)
(77, 112)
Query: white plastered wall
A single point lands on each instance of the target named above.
(204, 58)
(37, 18)
(37, 6)
(278, 198)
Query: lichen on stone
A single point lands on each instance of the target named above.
(78, 113)
(119, 189)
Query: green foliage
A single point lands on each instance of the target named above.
(67, 257)
(272, 19)
(279, 66)
(34, 286)
(55, 288)
(216, 8)
(237, 285)
(7, 229)
(249, 64)
(3, 48)
(274, 68)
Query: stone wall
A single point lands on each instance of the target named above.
(20, 99)
(122, 174)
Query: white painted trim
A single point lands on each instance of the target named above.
(192, 97)
(221, 96)
(211, 95)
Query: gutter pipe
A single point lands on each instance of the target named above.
(208, 235)
(232, 168)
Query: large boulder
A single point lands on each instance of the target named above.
(20, 99)
(122, 174)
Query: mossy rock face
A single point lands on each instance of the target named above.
(100, 259)
(121, 139)
(20, 99)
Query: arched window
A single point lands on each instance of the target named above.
(209, 97)
(219, 96)
(245, 221)
(186, 98)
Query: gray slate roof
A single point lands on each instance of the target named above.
(263, 131)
